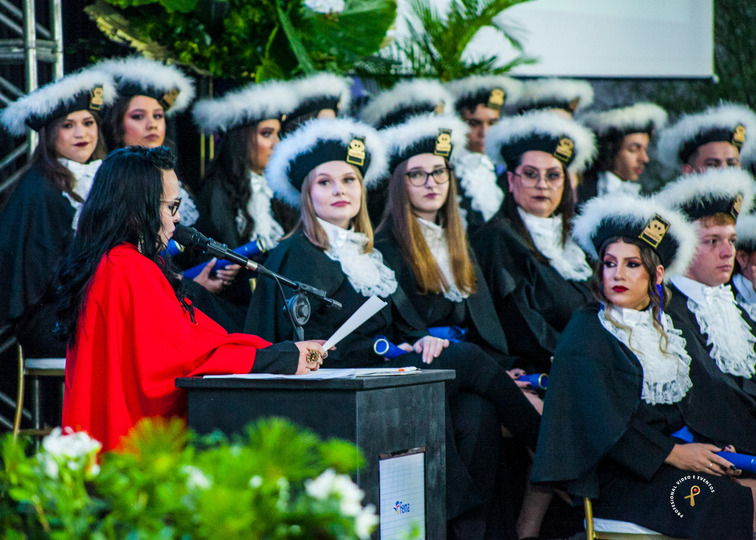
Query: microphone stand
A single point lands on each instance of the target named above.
(297, 307)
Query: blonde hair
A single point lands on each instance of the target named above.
(308, 219)
(410, 237)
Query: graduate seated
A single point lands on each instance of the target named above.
(744, 277)
(623, 384)
(130, 329)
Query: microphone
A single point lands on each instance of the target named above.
(192, 238)
(250, 249)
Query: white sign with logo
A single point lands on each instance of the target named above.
(402, 495)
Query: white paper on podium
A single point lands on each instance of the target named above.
(371, 306)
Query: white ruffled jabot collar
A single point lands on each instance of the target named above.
(477, 178)
(259, 207)
(608, 182)
(746, 294)
(727, 333)
(365, 271)
(435, 237)
(568, 259)
(666, 375)
(84, 174)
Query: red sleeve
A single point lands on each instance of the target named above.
(133, 340)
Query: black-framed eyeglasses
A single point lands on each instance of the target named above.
(531, 178)
(173, 205)
(420, 177)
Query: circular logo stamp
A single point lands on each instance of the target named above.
(690, 490)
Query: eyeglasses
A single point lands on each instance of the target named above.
(173, 205)
(532, 177)
(420, 177)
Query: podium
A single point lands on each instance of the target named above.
(385, 416)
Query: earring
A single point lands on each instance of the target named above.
(140, 243)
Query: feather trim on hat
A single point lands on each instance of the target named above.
(468, 87)
(139, 71)
(632, 119)
(47, 98)
(746, 230)
(326, 85)
(545, 123)
(543, 92)
(725, 116)
(416, 92)
(304, 138)
(252, 103)
(707, 187)
(621, 209)
(402, 138)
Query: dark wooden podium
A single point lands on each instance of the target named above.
(382, 415)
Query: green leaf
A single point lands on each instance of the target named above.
(295, 43)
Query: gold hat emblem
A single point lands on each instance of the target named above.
(356, 151)
(655, 230)
(738, 135)
(496, 99)
(169, 98)
(439, 108)
(564, 150)
(96, 99)
(443, 146)
(736, 204)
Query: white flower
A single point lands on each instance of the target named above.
(71, 445)
(321, 487)
(325, 6)
(339, 485)
(365, 522)
(256, 481)
(195, 478)
(49, 465)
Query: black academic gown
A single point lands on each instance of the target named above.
(599, 439)
(476, 312)
(36, 232)
(534, 303)
(298, 259)
(587, 189)
(686, 321)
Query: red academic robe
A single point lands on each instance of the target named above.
(132, 340)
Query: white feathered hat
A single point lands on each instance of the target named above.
(727, 122)
(570, 95)
(271, 100)
(424, 134)
(138, 76)
(90, 89)
(746, 230)
(663, 229)
(319, 141)
(713, 191)
(318, 92)
(638, 118)
(565, 139)
(493, 91)
(407, 99)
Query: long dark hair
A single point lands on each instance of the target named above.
(409, 236)
(566, 210)
(650, 260)
(230, 169)
(123, 206)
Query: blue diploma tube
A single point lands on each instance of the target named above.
(248, 250)
(743, 462)
(536, 380)
(383, 347)
(173, 248)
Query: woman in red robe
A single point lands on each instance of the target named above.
(130, 329)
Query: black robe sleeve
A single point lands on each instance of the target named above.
(533, 302)
(485, 331)
(298, 259)
(36, 232)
